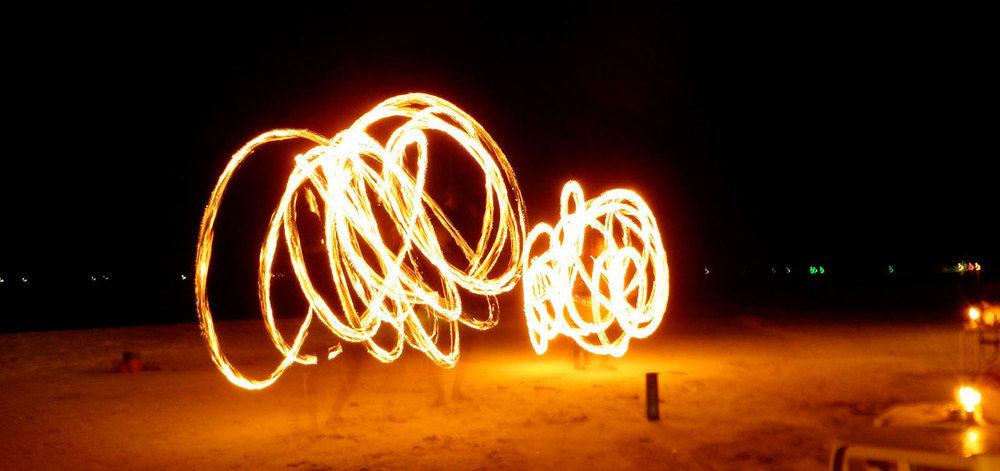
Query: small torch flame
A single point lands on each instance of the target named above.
(974, 314)
(969, 398)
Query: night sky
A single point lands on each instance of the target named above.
(834, 134)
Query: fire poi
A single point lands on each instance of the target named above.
(345, 180)
(601, 277)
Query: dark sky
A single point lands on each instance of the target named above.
(758, 134)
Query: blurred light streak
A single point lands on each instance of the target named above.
(346, 180)
(627, 283)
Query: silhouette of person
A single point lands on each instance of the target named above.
(583, 301)
(334, 380)
(461, 213)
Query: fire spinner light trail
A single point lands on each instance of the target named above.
(345, 181)
(599, 292)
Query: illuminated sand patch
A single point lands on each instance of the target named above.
(603, 288)
(346, 180)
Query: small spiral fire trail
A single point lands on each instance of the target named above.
(601, 277)
(347, 179)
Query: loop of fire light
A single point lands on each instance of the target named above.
(345, 181)
(623, 273)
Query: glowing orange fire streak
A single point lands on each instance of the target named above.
(342, 175)
(628, 283)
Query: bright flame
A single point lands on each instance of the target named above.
(969, 398)
(626, 279)
(346, 180)
(974, 314)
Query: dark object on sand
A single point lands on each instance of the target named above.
(652, 397)
(131, 363)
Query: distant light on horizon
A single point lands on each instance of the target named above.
(964, 267)
(817, 270)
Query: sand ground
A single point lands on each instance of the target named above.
(746, 393)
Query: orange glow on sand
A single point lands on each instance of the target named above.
(624, 276)
(347, 179)
(972, 442)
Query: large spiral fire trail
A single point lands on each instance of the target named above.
(601, 277)
(377, 278)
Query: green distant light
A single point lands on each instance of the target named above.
(892, 269)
